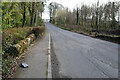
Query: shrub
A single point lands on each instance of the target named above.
(37, 31)
(13, 36)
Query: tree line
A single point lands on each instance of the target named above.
(20, 14)
(95, 17)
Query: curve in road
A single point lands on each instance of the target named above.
(81, 56)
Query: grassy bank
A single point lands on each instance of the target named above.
(13, 36)
(88, 32)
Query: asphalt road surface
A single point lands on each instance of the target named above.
(81, 56)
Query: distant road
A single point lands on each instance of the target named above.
(81, 56)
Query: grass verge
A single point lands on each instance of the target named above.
(88, 32)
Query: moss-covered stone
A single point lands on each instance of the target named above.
(19, 48)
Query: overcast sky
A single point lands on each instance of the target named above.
(72, 4)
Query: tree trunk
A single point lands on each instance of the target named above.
(24, 19)
(35, 17)
(113, 16)
(36, 9)
(77, 15)
(96, 23)
(31, 21)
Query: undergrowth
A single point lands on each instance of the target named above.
(10, 37)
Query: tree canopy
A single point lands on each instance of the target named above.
(104, 16)
(20, 14)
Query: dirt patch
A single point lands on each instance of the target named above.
(110, 39)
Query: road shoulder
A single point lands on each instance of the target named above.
(36, 58)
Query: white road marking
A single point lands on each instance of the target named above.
(49, 59)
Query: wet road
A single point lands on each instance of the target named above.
(81, 56)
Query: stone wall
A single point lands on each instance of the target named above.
(20, 47)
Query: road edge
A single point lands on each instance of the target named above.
(49, 70)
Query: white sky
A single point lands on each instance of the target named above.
(72, 4)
